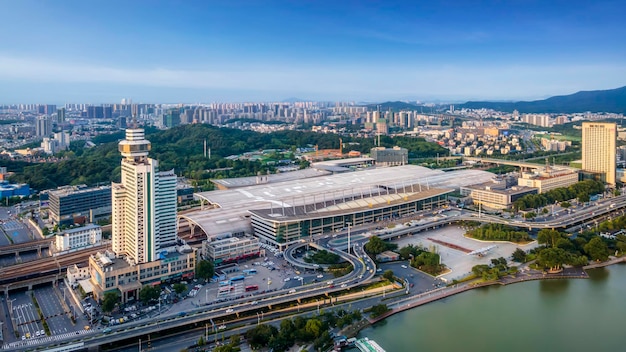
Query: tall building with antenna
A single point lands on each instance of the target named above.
(144, 203)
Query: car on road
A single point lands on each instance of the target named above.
(254, 302)
(292, 291)
(320, 276)
(221, 327)
(329, 283)
(229, 310)
(344, 286)
(287, 279)
(404, 266)
(42, 332)
(107, 330)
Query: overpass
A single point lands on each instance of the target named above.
(16, 249)
(521, 164)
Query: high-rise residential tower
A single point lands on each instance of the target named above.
(143, 203)
(599, 149)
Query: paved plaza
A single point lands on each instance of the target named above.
(459, 262)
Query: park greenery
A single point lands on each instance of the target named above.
(182, 149)
(498, 232)
(323, 257)
(582, 191)
(205, 269)
(378, 310)
(493, 271)
(375, 246)
(428, 262)
(300, 330)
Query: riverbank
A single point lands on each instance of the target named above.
(529, 275)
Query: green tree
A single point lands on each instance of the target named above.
(378, 310)
(548, 237)
(388, 274)
(519, 255)
(375, 245)
(179, 288)
(205, 269)
(552, 258)
(109, 301)
(149, 293)
(260, 335)
(313, 327)
(597, 249)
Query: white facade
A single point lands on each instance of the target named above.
(80, 237)
(143, 203)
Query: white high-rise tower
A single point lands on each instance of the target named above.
(599, 151)
(143, 204)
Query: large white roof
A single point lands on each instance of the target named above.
(234, 204)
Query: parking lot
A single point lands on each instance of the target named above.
(458, 261)
(16, 231)
(266, 274)
(25, 315)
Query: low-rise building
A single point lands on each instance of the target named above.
(387, 256)
(228, 248)
(390, 156)
(80, 237)
(111, 274)
(548, 178)
(497, 194)
(67, 202)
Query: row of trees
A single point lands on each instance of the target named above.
(301, 330)
(559, 249)
(498, 232)
(580, 190)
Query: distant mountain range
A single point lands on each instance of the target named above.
(612, 100)
(394, 106)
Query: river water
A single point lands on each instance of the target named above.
(556, 315)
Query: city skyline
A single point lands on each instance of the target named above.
(195, 52)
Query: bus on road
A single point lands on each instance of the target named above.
(252, 288)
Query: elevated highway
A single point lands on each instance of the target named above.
(30, 246)
(521, 164)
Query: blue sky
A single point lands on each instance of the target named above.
(205, 51)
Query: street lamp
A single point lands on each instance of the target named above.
(349, 224)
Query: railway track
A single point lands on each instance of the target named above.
(43, 266)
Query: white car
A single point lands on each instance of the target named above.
(254, 302)
(292, 291)
(287, 279)
(221, 327)
(229, 310)
(320, 276)
(404, 266)
(344, 286)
